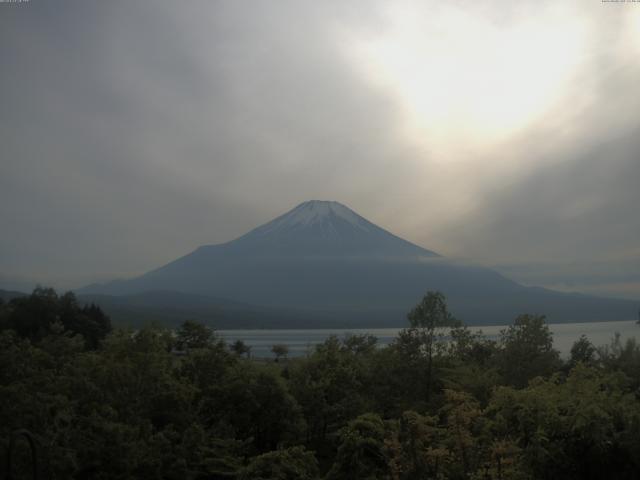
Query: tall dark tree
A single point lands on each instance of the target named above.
(427, 319)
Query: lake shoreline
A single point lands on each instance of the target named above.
(301, 341)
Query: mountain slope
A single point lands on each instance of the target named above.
(324, 259)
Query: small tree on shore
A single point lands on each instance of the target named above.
(240, 348)
(280, 350)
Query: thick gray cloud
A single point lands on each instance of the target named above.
(572, 226)
(133, 132)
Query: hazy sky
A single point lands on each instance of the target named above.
(503, 133)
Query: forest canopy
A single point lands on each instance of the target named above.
(438, 402)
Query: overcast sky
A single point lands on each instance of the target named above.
(501, 133)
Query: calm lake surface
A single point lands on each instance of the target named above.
(300, 342)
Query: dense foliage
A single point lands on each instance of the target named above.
(155, 403)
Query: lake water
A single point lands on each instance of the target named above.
(300, 342)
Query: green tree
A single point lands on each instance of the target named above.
(427, 319)
(462, 415)
(89, 321)
(192, 335)
(471, 364)
(331, 387)
(582, 351)
(361, 450)
(33, 317)
(585, 427)
(360, 344)
(400, 372)
(527, 350)
(622, 357)
(416, 448)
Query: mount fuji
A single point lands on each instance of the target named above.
(322, 262)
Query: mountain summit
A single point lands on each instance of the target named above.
(320, 228)
(316, 212)
(325, 261)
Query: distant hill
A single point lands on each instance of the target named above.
(172, 308)
(326, 263)
(7, 295)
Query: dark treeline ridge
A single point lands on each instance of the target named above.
(161, 404)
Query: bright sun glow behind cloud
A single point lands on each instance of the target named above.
(465, 78)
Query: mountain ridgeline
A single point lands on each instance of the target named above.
(321, 264)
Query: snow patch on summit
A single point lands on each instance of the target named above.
(317, 212)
